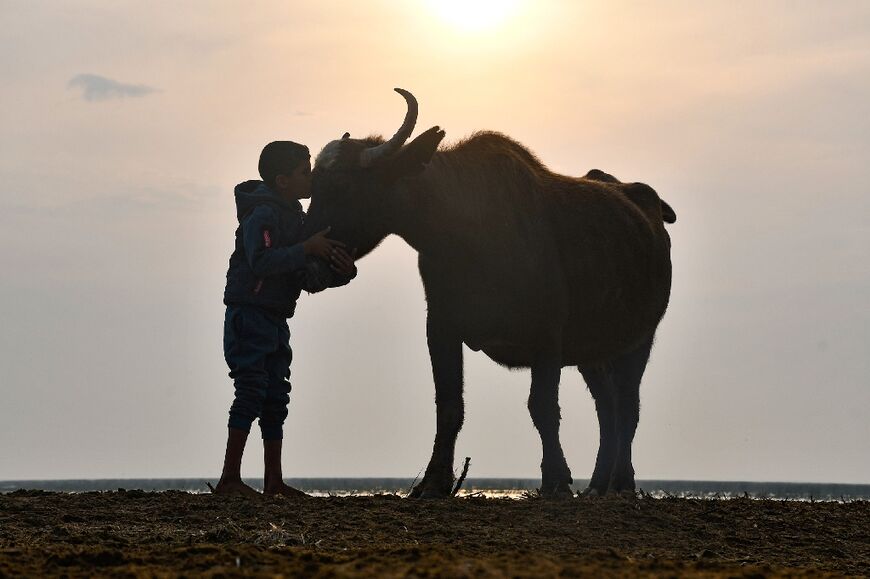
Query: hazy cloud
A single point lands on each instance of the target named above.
(99, 88)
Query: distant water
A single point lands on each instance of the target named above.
(490, 487)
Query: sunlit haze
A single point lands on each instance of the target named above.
(127, 125)
(475, 15)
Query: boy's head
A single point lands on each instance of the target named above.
(285, 166)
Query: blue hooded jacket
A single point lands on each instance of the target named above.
(267, 266)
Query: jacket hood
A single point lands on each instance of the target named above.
(249, 194)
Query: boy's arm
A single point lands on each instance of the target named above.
(319, 275)
(339, 280)
(259, 229)
(343, 268)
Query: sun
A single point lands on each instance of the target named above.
(474, 15)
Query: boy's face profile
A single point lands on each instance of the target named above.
(296, 185)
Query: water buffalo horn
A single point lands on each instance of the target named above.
(371, 155)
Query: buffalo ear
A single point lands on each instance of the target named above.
(413, 157)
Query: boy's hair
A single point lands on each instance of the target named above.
(281, 158)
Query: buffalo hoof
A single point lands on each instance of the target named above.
(589, 493)
(429, 494)
(622, 481)
(427, 489)
(556, 481)
(560, 492)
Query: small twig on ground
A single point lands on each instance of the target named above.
(414, 482)
(461, 478)
(208, 484)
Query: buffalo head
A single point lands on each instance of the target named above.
(354, 182)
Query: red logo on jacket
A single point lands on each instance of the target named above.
(267, 241)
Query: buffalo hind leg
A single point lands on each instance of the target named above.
(616, 390)
(544, 409)
(627, 373)
(599, 381)
(445, 350)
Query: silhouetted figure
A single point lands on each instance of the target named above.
(536, 269)
(269, 267)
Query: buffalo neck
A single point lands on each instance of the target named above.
(421, 214)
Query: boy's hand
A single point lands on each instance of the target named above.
(320, 245)
(342, 261)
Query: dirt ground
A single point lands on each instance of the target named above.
(169, 534)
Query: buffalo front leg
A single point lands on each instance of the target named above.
(445, 351)
(544, 409)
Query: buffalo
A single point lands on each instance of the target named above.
(536, 269)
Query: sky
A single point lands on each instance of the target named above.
(125, 127)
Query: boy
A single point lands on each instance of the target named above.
(265, 277)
